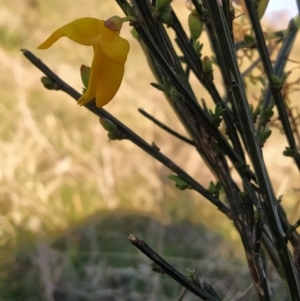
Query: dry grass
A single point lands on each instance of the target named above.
(57, 165)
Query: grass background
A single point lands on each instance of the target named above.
(58, 171)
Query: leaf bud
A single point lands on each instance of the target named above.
(85, 75)
(107, 124)
(160, 5)
(195, 25)
(207, 65)
(49, 83)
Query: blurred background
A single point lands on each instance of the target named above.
(69, 198)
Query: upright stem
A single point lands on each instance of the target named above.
(245, 119)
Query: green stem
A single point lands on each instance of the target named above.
(281, 59)
(189, 100)
(245, 119)
(166, 128)
(283, 252)
(128, 19)
(228, 16)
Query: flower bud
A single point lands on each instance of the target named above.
(207, 65)
(49, 83)
(114, 23)
(85, 75)
(108, 125)
(195, 25)
(166, 17)
(162, 4)
(262, 7)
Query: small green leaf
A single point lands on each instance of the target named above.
(216, 116)
(166, 16)
(277, 81)
(49, 83)
(107, 124)
(218, 186)
(214, 60)
(254, 112)
(160, 5)
(215, 188)
(262, 135)
(191, 275)
(207, 68)
(197, 46)
(113, 135)
(159, 87)
(85, 75)
(195, 25)
(249, 40)
(179, 182)
(267, 115)
(262, 81)
(156, 268)
(166, 87)
(289, 152)
(207, 65)
(111, 128)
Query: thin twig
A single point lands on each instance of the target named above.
(281, 59)
(256, 62)
(239, 295)
(193, 60)
(168, 269)
(182, 294)
(291, 230)
(166, 128)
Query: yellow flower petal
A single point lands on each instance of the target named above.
(109, 78)
(90, 93)
(85, 31)
(52, 39)
(115, 48)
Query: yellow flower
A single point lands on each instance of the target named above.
(110, 54)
